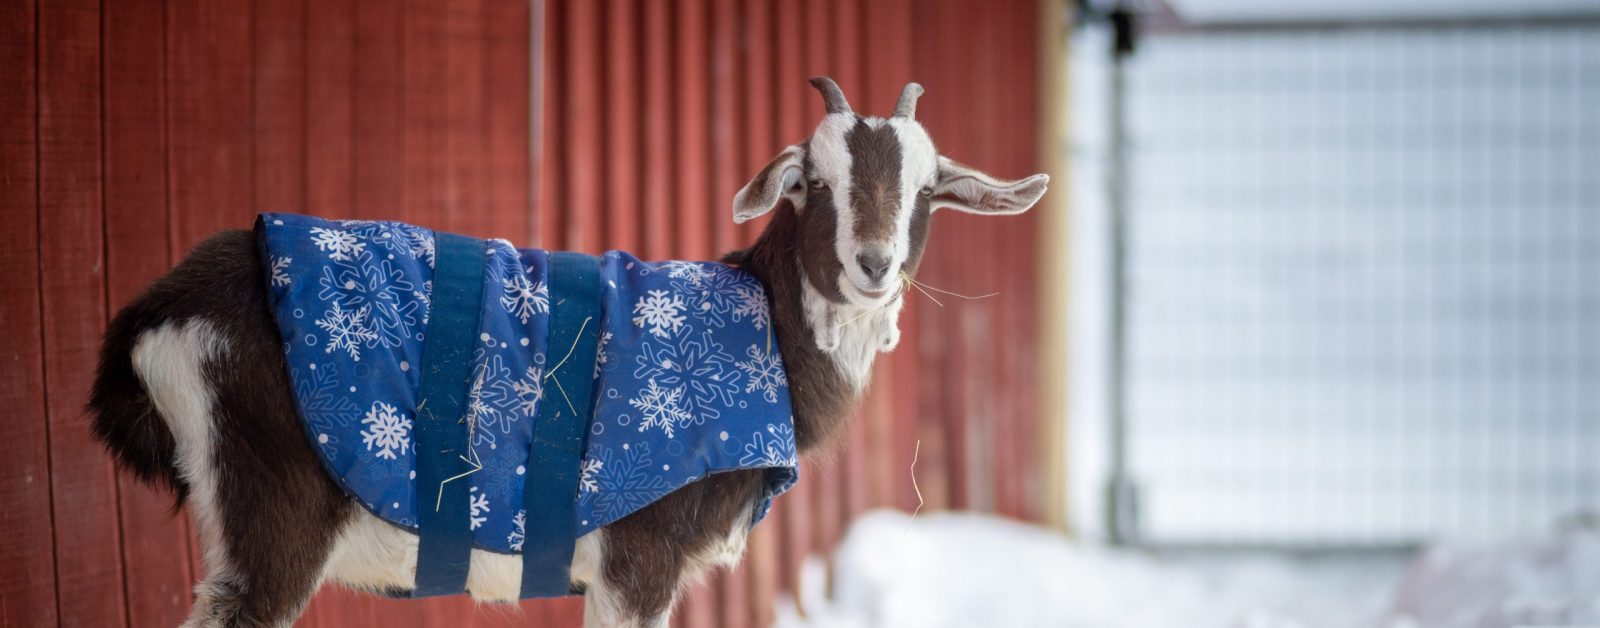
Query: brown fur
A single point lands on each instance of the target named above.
(822, 396)
(875, 181)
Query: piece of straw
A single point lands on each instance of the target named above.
(919, 285)
(914, 487)
(477, 466)
(570, 351)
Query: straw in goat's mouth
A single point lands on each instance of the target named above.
(924, 288)
(906, 280)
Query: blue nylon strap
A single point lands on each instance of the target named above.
(550, 489)
(445, 544)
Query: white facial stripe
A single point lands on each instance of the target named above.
(830, 160)
(919, 166)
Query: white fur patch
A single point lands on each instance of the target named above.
(919, 168)
(169, 361)
(850, 334)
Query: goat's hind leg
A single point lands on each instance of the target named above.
(275, 552)
(279, 512)
(266, 511)
(267, 540)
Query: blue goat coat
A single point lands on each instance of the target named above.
(687, 379)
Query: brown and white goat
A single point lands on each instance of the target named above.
(196, 362)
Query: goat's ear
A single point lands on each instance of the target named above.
(965, 189)
(781, 177)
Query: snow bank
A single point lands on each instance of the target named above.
(970, 570)
(1548, 581)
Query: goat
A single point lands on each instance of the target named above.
(195, 365)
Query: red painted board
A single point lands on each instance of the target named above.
(27, 580)
(465, 132)
(330, 103)
(378, 119)
(660, 153)
(581, 116)
(757, 100)
(507, 81)
(549, 155)
(727, 123)
(155, 553)
(624, 214)
(279, 92)
(210, 131)
(692, 141)
(83, 485)
(425, 125)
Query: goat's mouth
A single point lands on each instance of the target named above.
(889, 288)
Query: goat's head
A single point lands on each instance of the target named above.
(864, 189)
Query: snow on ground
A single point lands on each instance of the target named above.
(972, 570)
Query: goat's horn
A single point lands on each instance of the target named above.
(906, 107)
(831, 95)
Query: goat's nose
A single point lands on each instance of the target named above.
(874, 263)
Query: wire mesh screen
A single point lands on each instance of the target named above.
(1363, 298)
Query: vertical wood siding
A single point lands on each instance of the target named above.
(131, 130)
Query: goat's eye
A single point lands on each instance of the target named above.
(817, 184)
(926, 191)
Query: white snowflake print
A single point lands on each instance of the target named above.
(377, 284)
(280, 271)
(425, 298)
(713, 297)
(523, 299)
(519, 530)
(398, 237)
(479, 502)
(660, 407)
(340, 245)
(588, 482)
(388, 429)
(698, 362)
(687, 271)
(751, 301)
(662, 314)
(529, 390)
(421, 244)
(600, 356)
(494, 401)
(347, 330)
(764, 371)
(774, 449)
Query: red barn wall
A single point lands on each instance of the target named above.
(132, 129)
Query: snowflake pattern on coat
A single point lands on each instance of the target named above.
(687, 377)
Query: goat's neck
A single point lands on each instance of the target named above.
(851, 335)
(828, 348)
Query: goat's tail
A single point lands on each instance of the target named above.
(125, 418)
(220, 280)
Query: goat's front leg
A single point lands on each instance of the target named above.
(638, 579)
(607, 605)
(648, 557)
